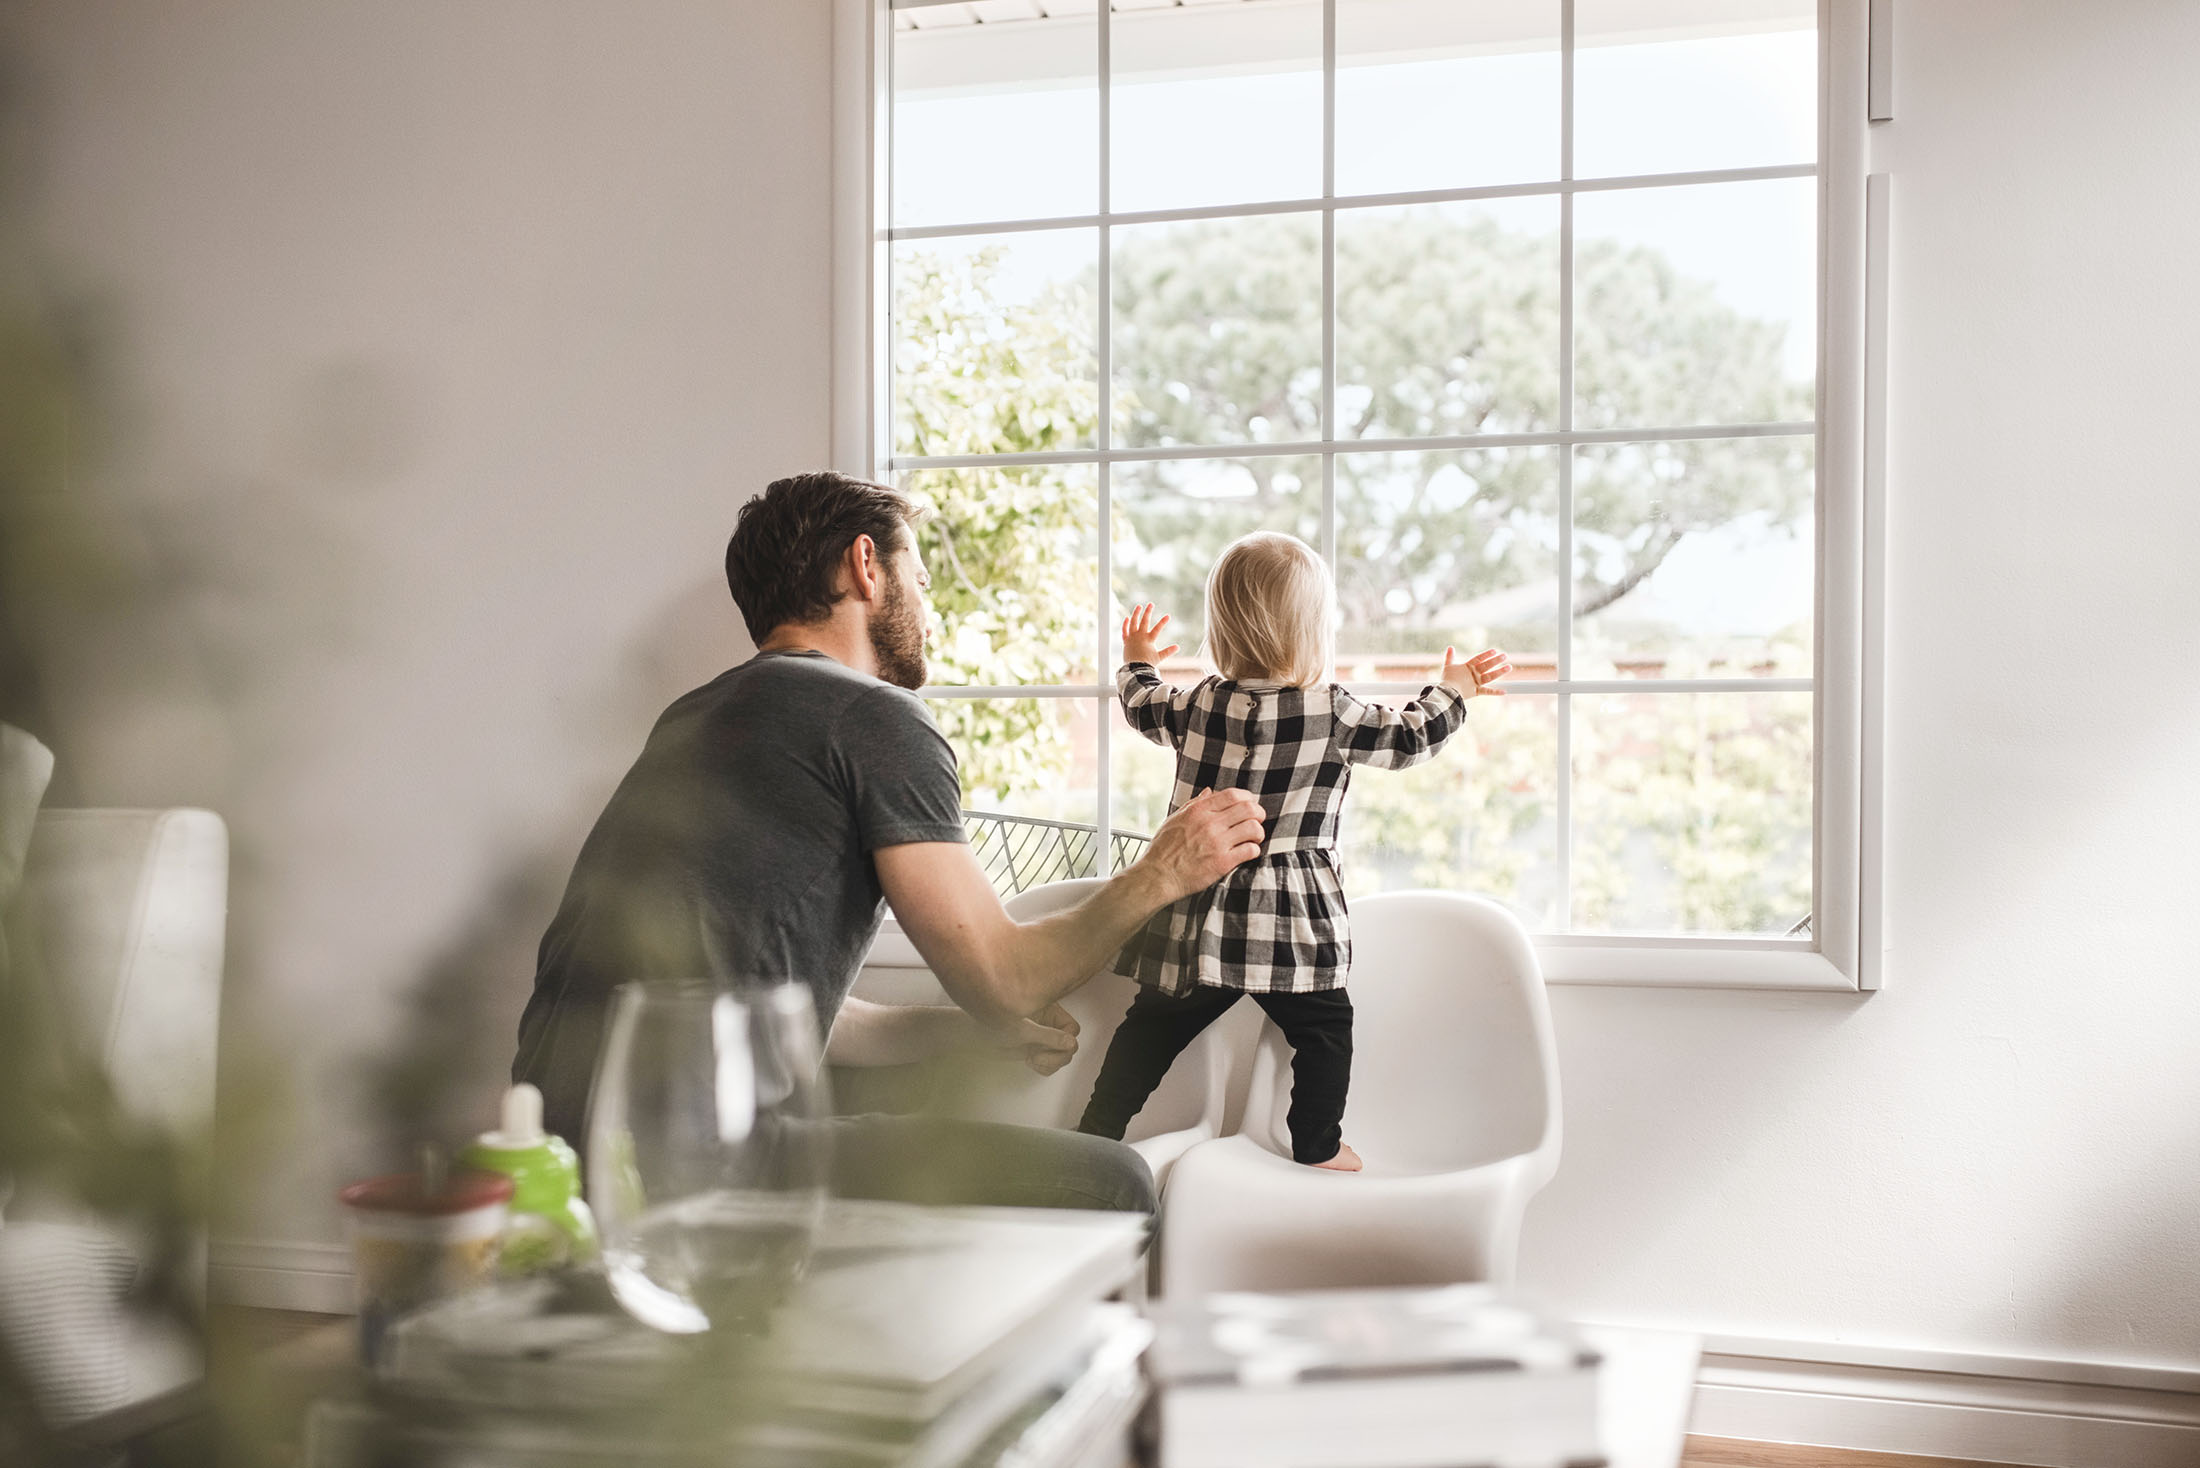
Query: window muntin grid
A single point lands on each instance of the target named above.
(1108, 453)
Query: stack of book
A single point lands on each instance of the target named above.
(1399, 1378)
(920, 1338)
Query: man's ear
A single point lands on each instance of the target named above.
(865, 568)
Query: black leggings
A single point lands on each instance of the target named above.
(1159, 1026)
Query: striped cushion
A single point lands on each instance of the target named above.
(61, 1315)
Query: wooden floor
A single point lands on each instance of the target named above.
(1731, 1452)
(266, 1330)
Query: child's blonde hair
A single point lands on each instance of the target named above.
(1271, 611)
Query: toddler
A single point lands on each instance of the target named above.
(1274, 928)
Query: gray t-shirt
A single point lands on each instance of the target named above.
(741, 839)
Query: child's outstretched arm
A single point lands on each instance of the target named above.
(1399, 738)
(1154, 708)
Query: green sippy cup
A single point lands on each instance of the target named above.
(550, 1226)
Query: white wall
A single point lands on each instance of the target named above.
(446, 338)
(455, 332)
(2001, 1152)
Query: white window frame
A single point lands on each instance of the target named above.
(1844, 949)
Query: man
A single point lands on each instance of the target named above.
(773, 809)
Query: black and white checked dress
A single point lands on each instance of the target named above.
(1277, 924)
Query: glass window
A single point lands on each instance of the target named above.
(1024, 98)
(994, 346)
(1696, 305)
(1484, 79)
(1218, 331)
(1679, 86)
(1561, 399)
(1447, 319)
(1214, 104)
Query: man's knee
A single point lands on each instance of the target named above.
(1059, 1169)
(1115, 1175)
(942, 1161)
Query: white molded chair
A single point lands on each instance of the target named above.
(1190, 1105)
(1454, 1107)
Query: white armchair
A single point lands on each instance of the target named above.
(130, 909)
(124, 912)
(1454, 1107)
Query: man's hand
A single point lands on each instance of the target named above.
(1046, 1042)
(1214, 832)
(1478, 674)
(1142, 635)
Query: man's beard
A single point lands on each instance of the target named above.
(897, 638)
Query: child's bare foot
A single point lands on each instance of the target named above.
(1346, 1160)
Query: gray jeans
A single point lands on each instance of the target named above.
(939, 1160)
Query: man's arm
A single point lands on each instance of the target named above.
(1001, 970)
(867, 1034)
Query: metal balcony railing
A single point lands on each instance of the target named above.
(1022, 851)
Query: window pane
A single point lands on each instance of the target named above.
(1173, 519)
(1481, 817)
(1671, 86)
(1445, 96)
(993, 343)
(1214, 104)
(1691, 812)
(995, 121)
(1014, 559)
(1218, 331)
(1026, 757)
(1694, 559)
(1454, 547)
(1144, 772)
(1447, 319)
(1696, 305)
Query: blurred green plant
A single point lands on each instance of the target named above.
(66, 1139)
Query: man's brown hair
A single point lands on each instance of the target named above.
(788, 541)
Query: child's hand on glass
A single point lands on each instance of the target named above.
(1142, 635)
(1478, 674)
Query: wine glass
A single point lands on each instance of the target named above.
(707, 1150)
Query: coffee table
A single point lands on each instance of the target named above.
(1645, 1390)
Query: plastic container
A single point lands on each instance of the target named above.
(416, 1239)
(550, 1226)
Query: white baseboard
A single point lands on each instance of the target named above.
(1947, 1404)
(272, 1275)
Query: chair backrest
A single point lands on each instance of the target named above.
(1453, 1060)
(127, 911)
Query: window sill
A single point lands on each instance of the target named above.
(1691, 963)
(1634, 963)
